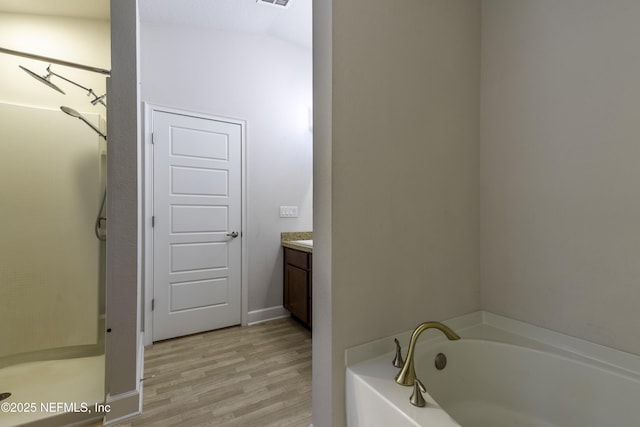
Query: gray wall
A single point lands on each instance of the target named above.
(397, 147)
(322, 365)
(560, 152)
(123, 270)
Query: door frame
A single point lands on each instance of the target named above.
(147, 209)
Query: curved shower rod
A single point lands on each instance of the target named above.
(55, 61)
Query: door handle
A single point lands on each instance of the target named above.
(233, 234)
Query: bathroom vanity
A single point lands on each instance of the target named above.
(298, 267)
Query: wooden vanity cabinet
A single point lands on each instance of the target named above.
(297, 284)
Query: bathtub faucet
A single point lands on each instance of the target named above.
(407, 374)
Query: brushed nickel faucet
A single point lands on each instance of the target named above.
(407, 375)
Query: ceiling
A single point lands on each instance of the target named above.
(92, 9)
(292, 23)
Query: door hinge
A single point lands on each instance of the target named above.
(153, 137)
(153, 221)
(153, 304)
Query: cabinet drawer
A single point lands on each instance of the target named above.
(298, 258)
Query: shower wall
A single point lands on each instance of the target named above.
(49, 257)
(50, 182)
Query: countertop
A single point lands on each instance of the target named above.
(301, 241)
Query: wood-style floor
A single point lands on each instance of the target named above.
(241, 376)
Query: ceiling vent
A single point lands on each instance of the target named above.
(277, 3)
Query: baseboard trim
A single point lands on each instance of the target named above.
(122, 407)
(266, 314)
(127, 405)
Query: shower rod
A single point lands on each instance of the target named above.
(55, 61)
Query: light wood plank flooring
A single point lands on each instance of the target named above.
(241, 376)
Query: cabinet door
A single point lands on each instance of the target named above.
(296, 293)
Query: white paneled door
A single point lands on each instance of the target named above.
(197, 220)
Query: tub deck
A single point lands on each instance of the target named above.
(528, 364)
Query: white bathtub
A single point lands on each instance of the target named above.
(502, 373)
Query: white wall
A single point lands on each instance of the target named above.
(560, 152)
(266, 82)
(398, 165)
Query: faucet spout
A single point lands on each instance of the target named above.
(407, 374)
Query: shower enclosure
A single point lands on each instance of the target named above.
(52, 256)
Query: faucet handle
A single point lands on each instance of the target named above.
(397, 361)
(416, 398)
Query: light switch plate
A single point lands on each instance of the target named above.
(288, 211)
